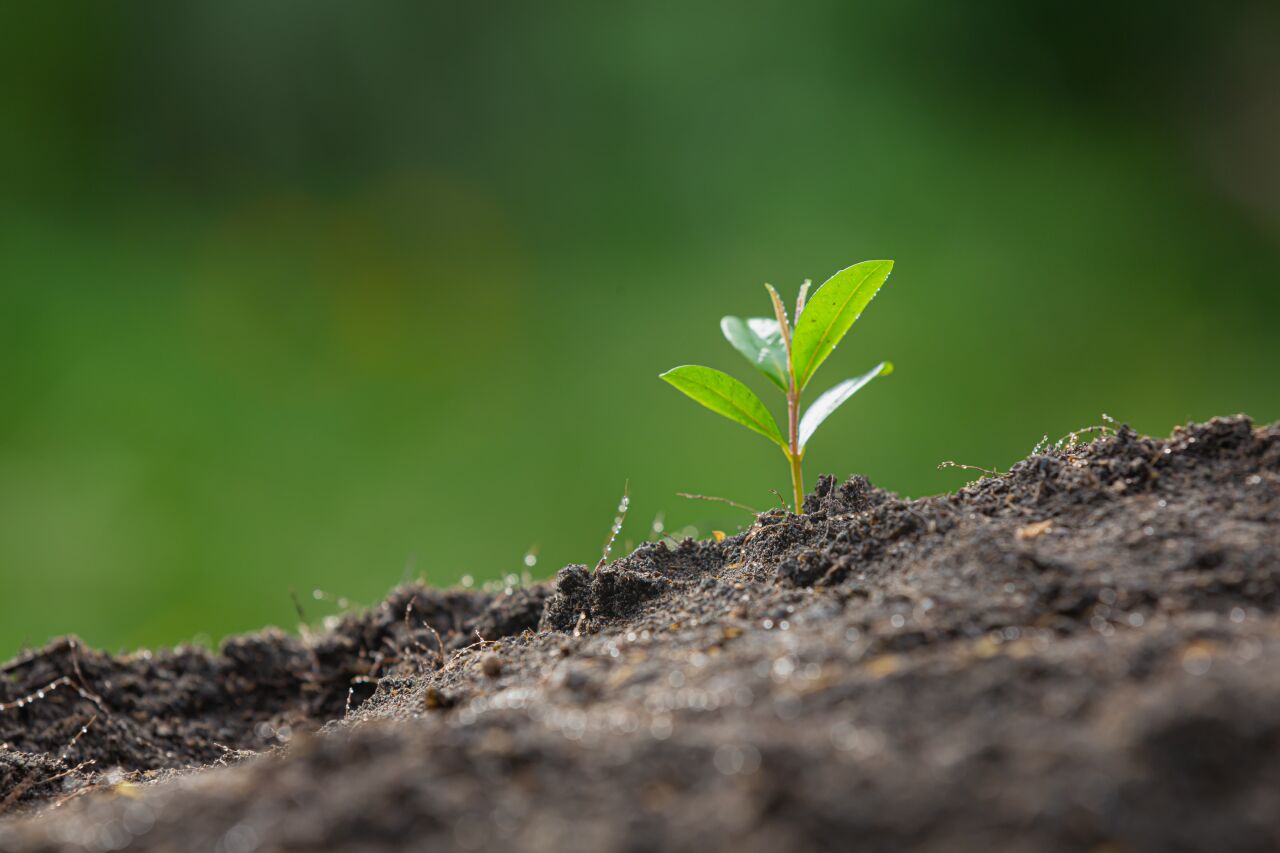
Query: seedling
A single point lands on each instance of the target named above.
(789, 356)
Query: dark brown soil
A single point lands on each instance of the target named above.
(1083, 653)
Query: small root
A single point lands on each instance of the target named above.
(718, 499)
(31, 781)
(1071, 439)
(989, 472)
(438, 654)
(43, 693)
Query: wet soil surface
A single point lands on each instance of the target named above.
(1083, 653)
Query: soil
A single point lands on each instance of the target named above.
(1083, 653)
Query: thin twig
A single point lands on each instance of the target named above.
(740, 506)
(950, 464)
(297, 605)
(408, 612)
(37, 695)
(481, 642)
(66, 751)
(82, 688)
(30, 782)
(228, 752)
(438, 654)
(618, 521)
(1072, 438)
(439, 643)
(84, 685)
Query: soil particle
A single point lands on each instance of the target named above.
(491, 665)
(1078, 654)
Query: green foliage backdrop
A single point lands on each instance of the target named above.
(327, 295)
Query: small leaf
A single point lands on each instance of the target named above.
(780, 312)
(834, 397)
(760, 340)
(724, 395)
(831, 311)
(804, 293)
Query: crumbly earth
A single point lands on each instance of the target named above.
(1083, 653)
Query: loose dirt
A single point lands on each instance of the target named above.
(1083, 653)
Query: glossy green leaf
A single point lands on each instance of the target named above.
(760, 341)
(834, 397)
(723, 394)
(830, 312)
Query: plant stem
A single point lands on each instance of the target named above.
(797, 481)
(795, 455)
(793, 451)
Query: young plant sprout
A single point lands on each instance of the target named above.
(789, 355)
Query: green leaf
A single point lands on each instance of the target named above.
(834, 397)
(760, 340)
(830, 312)
(723, 394)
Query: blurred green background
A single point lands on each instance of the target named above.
(331, 295)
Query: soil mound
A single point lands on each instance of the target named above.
(1080, 653)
